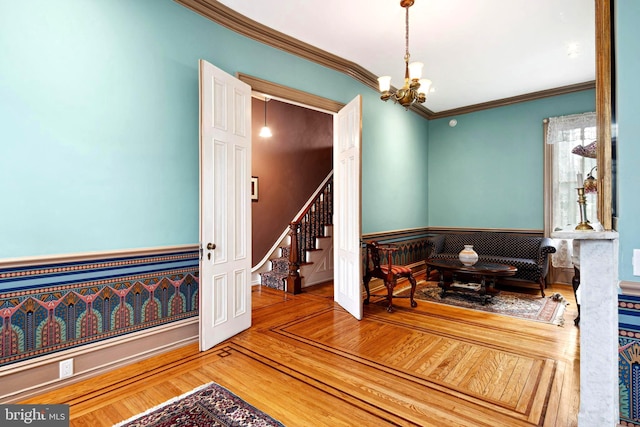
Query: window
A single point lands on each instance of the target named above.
(569, 159)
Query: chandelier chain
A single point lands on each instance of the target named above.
(406, 35)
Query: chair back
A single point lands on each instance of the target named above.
(373, 255)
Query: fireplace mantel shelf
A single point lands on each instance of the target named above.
(585, 235)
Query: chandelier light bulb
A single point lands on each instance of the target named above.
(425, 85)
(415, 70)
(384, 83)
(265, 132)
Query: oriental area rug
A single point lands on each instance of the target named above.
(549, 309)
(208, 405)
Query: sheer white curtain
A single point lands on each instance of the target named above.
(569, 134)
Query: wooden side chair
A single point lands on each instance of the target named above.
(389, 273)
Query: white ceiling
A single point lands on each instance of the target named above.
(474, 51)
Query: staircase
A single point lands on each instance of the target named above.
(277, 276)
(309, 252)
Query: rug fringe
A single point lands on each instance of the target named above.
(161, 405)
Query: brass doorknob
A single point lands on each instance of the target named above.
(211, 246)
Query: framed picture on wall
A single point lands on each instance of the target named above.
(254, 188)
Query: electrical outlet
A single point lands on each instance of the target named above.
(636, 262)
(66, 368)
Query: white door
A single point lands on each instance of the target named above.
(346, 208)
(225, 206)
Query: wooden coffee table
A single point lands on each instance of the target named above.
(482, 271)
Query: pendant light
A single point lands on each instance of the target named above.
(265, 132)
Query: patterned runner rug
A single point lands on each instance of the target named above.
(208, 405)
(514, 304)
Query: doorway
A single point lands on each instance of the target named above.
(347, 142)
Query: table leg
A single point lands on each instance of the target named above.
(443, 288)
(483, 285)
(487, 290)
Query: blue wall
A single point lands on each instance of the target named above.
(99, 125)
(394, 168)
(627, 35)
(487, 171)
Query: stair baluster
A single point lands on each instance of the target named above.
(304, 231)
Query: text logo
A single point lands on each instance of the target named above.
(34, 415)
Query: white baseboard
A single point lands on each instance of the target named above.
(31, 377)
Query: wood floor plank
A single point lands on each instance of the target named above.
(306, 362)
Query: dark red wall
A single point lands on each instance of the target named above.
(290, 166)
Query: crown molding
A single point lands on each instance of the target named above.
(238, 23)
(227, 17)
(516, 99)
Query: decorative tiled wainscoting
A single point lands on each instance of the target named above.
(48, 307)
(629, 359)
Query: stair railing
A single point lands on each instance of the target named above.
(304, 230)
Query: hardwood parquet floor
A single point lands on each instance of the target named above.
(306, 362)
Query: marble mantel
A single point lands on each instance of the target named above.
(599, 390)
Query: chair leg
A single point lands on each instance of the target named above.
(390, 286)
(412, 280)
(367, 278)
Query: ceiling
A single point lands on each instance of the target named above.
(474, 51)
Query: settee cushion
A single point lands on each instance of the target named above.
(492, 243)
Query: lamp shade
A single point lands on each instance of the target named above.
(415, 70)
(591, 183)
(425, 85)
(384, 83)
(265, 132)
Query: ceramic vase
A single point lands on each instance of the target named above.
(468, 256)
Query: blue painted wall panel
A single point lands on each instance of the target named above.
(487, 171)
(627, 106)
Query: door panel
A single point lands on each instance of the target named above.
(225, 208)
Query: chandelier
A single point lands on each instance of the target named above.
(415, 89)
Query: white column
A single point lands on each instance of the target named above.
(599, 392)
